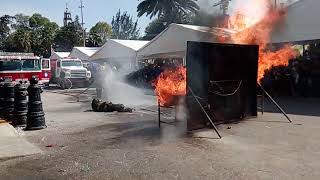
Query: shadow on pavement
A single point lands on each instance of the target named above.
(296, 106)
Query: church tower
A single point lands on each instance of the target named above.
(67, 17)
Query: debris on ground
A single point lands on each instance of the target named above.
(85, 168)
(105, 106)
(50, 145)
(62, 170)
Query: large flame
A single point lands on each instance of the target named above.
(255, 27)
(254, 20)
(169, 84)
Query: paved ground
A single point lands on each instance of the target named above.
(13, 144)
(80, 144)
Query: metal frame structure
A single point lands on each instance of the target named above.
(264, 92)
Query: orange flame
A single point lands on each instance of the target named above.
(259, 22)
(259, 34)
(169, 84)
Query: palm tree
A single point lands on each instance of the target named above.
(166, 8)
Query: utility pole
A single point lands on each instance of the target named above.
(82, 24)
(275, 4)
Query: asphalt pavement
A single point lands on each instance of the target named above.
(81, 144)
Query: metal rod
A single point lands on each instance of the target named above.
(159, 111)
(214, 127)
(262, 103)
(78, 95)
(275, 103)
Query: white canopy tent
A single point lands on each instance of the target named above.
(172, 42)
(123, 52)
(301, 24)
(59, 55)
(83, 53)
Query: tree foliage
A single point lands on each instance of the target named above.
(167, 8)
(99, 34)
(68, 36)
(31, 34)
(20, 21)
(42, 32)
(156, 26)
(167, 12)
(19, 41)
(4, 28)
(123, 26)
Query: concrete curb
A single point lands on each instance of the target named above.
(14, 145)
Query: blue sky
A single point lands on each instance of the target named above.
(94, 11)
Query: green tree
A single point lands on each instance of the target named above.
(66, 38)
(154, 28)
(123, 26)
(5, 21)
(31, 34)
(69, 36)
(166, 8)
(19, 41)
(20, 20)
(99, 34)
(42, 32)
(158, 25)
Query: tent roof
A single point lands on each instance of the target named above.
(173, 40)
(301, 23)
(133, 44)
(115, 48)
(59, 55)
(89, 51)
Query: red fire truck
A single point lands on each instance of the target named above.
(22, 66)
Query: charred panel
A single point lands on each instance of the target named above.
(224, 79)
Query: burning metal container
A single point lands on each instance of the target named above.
(222, 81)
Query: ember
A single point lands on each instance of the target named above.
(260, 24)
(169, 84)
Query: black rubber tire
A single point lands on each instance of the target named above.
(62, 84)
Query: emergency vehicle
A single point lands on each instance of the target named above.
(17, 67)
(68, 72)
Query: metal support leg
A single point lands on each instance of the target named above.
(275, 103)
(204, 111)
(262, 103)
(159, 115)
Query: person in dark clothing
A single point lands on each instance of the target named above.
(98, 78)
(303, 81)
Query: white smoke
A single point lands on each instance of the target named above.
(207, 6)
(181, 110)
(117, 90)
